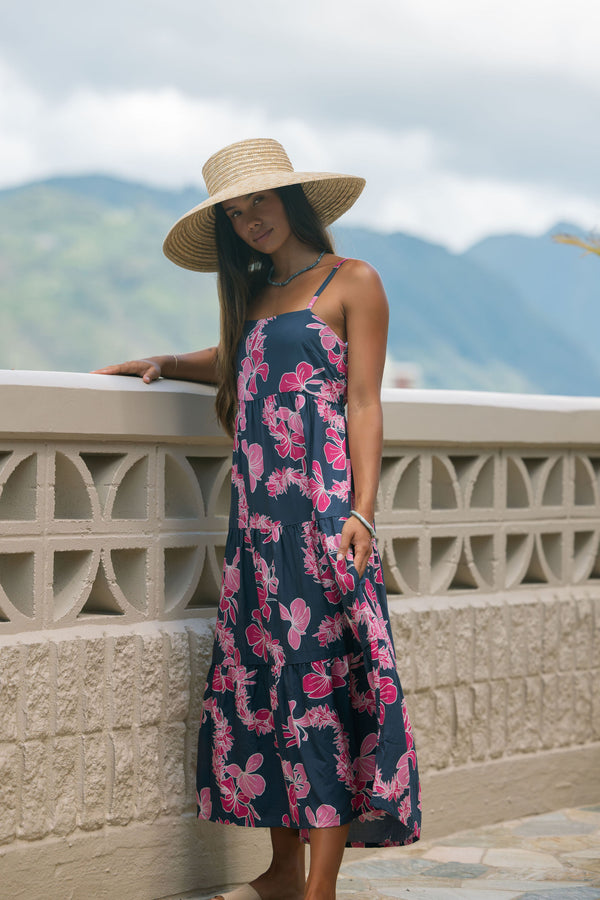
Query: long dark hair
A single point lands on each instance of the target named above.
(242, 274)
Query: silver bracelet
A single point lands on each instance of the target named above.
(176, 360)
(367, 524)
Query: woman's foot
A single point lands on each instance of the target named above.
(277, 886)
(285, 877)
(280, 885)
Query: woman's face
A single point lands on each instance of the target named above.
(260, 220)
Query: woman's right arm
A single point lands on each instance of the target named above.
(201, 365)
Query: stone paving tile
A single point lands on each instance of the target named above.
(534, 877)
(484, 838)
(446, 893)
(589, 866)
(556, 824)
(520, 885)
(365, 895)
(516, 858)
(562, 845)
(455, 854)
(352, 884)
(563, 893)
(582, 815)
(388, 868)
(457, 870)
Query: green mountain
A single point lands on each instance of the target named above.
(83, 283)
(466, 325)
(561, 282)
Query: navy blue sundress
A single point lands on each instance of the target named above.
(304, 723)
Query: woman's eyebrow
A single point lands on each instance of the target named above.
(232, 205)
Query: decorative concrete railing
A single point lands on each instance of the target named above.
(113, 504)
(108, 526)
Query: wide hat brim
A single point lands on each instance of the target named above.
(191, 242)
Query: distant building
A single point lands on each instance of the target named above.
(401, 374)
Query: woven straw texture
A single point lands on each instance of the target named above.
(243, 168)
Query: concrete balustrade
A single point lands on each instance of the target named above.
(113, 510)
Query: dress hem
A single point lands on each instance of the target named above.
(412, 838)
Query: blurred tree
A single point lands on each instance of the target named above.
(590, 244)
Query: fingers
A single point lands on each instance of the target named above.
(152, 372)
(362, 554)
(355, 535)
(345, 540)
(107, 370)
(147, 369)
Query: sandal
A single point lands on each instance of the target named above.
(245, 892)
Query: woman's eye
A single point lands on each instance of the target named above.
(256, 200)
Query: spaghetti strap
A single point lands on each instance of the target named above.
(325, 283)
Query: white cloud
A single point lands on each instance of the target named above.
(458, 211)
(465, 118)
(530, 34)
(19, 108)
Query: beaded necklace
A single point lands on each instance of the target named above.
(295, 275)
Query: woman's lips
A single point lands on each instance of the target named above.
(262, 236)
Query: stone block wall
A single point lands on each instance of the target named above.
(503, 692)
(96, 726)
(98, 731)
(98, 737)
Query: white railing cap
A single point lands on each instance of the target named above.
(487, 417)
(63, 404)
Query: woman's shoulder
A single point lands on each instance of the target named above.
(359, 269)
(362, 292)
(360, 280)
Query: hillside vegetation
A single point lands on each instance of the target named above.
(83, 282)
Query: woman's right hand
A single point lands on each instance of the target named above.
(146, 369)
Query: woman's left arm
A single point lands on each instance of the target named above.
(366, 313)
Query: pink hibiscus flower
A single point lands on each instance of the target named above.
(295, 731)
(344, 578)
(335, 449)
(297, 785)
(256, 467)
(364, 765)
(320, 497)
(325, 817)
(336, 348)
(259, 639)
(204, 803)
(298, 380)
(319, 683)
(250, 785)
(298, 616)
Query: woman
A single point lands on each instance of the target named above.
(304, 726)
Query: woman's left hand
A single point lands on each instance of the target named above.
(355, 535)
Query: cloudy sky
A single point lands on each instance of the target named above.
(467, 117)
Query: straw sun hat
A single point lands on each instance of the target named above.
(244, 168)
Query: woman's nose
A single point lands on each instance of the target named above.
(252, 220)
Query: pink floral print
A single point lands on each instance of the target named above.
(304, 723)
(298, 616)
